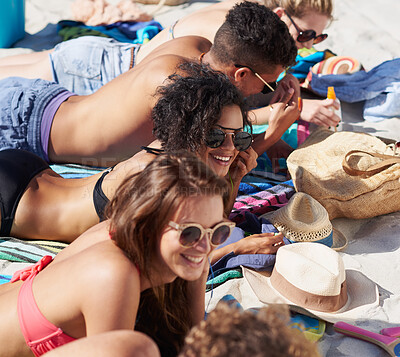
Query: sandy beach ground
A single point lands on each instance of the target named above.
(366, 30)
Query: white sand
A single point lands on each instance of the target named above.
(366, 30)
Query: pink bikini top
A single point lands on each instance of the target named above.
(40, 334)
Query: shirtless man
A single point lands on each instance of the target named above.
(252, 47)
(85, 64)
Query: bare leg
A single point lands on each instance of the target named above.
(29, 65)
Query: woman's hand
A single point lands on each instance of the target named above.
(263, 243)
(318, 111)
(243, 164)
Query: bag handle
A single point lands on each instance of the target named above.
(387, 161)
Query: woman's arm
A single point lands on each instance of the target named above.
(263, 243)
(110, 291)
(318, 111)
(121, 343)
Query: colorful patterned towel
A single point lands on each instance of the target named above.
(4, 279)
(260, 196)
(76, 171)
(27, 251)
(127, 31)
(312, 328)
(213, 282)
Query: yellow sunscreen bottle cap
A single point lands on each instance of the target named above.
(331, 93)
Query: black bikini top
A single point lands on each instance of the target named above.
(100, 200)
(153, 151)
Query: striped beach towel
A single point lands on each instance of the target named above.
(261, 192)
(28, 251)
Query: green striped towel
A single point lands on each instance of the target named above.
(28, 251)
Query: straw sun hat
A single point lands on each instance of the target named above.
(304, 219)
(313, 277)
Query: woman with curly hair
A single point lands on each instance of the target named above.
(200, 112)
(145, 272)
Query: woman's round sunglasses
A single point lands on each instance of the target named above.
(307, 35)
(241, 139)
(191, 233)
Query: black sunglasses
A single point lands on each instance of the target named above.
(307, 35)
(241, 139)
(268, 87)
(191, 233)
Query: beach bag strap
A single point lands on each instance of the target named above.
(387, 161)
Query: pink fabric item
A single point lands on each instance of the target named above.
(40, 334)
(100, 12)
(303, 131)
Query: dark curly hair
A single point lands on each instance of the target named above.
(253, 35)
(191, 104)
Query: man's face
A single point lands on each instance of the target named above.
(249, 83)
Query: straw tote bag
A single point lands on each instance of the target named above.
(354, 175)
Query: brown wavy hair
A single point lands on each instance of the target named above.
(139, 212)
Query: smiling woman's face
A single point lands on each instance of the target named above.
(189, 263)
(221, 158)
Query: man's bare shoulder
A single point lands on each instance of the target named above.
(189, 47)
(156, 69)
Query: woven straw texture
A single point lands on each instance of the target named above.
(316, 169)
(303, 236)
(302, 219)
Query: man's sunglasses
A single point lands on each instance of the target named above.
(307, 35)
(191, 233)
(241, 139)
(268, 87)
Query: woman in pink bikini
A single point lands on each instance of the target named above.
(143, 269)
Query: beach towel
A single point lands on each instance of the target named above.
(27, 251)
(259, 195)
(131, 32)
(75, 170)
(251, 225)
(4, 279)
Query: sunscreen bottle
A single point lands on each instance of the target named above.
(338, 112)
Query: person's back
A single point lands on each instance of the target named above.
(204, 22)
(115, 120)
(113, 123)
